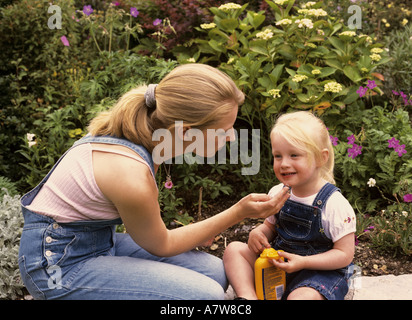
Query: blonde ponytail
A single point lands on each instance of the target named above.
(197, 94)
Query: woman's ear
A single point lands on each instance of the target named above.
(181, 131)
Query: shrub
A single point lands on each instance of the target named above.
(11, 226)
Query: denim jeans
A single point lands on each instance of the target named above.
(89, 260)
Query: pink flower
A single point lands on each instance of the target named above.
(334, 140)
(371, 84)
(157, 22)
(88, 10)
(354, 151)
(65, 41)
(407, 197)
(400, 149)
(351, 139)
(361, 91)
(169, 184)
(134, 12)
(393, 143)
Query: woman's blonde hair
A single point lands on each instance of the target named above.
(307, 132)
(197, 94)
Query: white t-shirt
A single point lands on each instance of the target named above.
(338, 217)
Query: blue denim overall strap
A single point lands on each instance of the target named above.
(299, 226)
(140, 150)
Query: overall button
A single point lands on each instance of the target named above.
(49, 239)
(48, 253)
(55, 225)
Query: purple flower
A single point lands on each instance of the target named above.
(87, 10)
(371, 84)
(116, 3)
(134, 12)
(407, 197)
(354, 151)
(351, 139)
(65, 41)
(400, 149)
(393, 143)
(396, 93)
(157, 22)
(361, 91)
(334, 140)
(169, 184)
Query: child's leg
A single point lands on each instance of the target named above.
(239, 263)
(305, 293)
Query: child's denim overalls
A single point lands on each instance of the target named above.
(300, 231)
(89, 260)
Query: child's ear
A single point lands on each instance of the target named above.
(324, 157)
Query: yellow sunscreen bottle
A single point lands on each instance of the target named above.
(270, 281)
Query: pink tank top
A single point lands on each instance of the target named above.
(71, 192)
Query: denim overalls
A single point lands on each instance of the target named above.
(300, 231)
(89, 260)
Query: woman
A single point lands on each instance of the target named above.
(69, 249)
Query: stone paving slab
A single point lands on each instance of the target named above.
(388, 287)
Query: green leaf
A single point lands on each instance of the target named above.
(337, 43)
(334, 64)
(228, 25)
(352, 73)
(327, 71)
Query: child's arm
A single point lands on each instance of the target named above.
(261, 237)
(338, 257)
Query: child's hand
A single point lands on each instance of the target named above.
(294, 263)
(257, 241)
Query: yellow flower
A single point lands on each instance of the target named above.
(275, 93)
(75, 132)
(348, 33)
(281, 2)
(387, 25)
(364, 69)
(384, 20)
(375, 57)
(206, 26)
(299, 78)
(316, 71)
(333, 86)
(376, 50)
(404, 22)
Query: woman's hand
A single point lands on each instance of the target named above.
(259, 205)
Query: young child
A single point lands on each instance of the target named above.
(316, 225)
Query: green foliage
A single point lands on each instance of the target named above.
(398, 72)
(11, 226)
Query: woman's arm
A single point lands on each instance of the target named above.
(130, 186)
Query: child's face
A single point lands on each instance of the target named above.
(294, 167)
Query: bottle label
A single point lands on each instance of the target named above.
(273, 286)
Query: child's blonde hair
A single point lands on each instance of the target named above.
(197, 94)
(307, 132)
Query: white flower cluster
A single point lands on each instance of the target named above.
(265, 35)
(275, 93)
(229, 6)
(284, 22)
(333, 86)
(299, 78)
(304, 23)
(281, 2)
